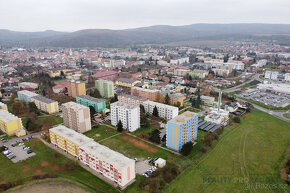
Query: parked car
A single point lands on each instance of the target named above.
(20, 144)
(29, 151)
(12, 157)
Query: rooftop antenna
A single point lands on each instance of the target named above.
(219, 101)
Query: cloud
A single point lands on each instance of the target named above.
(72, 15)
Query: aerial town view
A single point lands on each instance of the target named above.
(144, 97)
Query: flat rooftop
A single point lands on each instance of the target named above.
(43, 99)
(28, 93)
(6, 117)
(124, 105)
(133, 97)
(104, 153)
(74, 106)
(146, 90)
(161, 105)
(89, 98)
(71, 135)
(182, 118)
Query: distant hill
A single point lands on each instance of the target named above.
(160, 34)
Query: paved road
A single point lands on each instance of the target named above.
(278, 114)
(238, 87)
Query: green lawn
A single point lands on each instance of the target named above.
(287, 115)
(146, 130)
(57, 120)
(251, 150)
(99, 132)
(45, 162)
(134, 147)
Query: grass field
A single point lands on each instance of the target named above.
(252, 150)
(146, 130)
(57, 120)
(134, 147)
(99, 132)
(287, 115)
(47, 161)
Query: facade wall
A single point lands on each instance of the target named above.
(77, 119)
(46, 107)
(76, 89)
(106, 88)
(99, 107)
(130, 101)
(10, 128)
(177, 134)
(130, 118)
(165, 111)
(25, 96)
(121, 176)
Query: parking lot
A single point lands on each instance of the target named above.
(267, 98)
(142, 166)
(17, 150)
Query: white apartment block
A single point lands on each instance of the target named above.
(132, 100)
(271, 75)
(166, 111)
(76, 117)
(178, 61)
(128, 114)
(287, 76)
(112, 165)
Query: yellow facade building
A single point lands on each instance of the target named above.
(68, 139)
(9, 123)
(44, 104)
(126, 82)
(76, 89)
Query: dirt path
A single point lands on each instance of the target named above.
(48, 187)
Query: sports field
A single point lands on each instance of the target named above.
(246, 158)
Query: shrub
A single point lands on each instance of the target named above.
(237, 119)
(203, 149)
(186, 148)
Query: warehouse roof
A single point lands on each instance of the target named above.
(71, 135)
(5, 116)
(102, 152)
(86, 97)
(43, 99)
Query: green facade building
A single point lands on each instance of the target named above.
(88, 101)
(105, 88)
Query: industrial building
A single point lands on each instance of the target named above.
(11, 124)
(112, 165)
(105, 88)
(98, 104)
(44, 104)
(76, 117)
(166, 111)
(129, 115)
(181, 129)
(25, 95)
(132, 100)
(68, 139)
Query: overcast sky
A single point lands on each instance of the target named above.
(72, 15)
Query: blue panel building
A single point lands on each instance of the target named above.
(181, 130)
(25, 95)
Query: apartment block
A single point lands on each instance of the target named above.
(76, 117)
(126, 82)
(10, 124)
(166, 111)
(25, 95)
(112, 165)
(3, 106)
(105, 88)
(148, 94)
(44, 104)
(181, 130)
(76, 88)
(68, 139)
(128, 114)
(132, 100)
(98, 104)
(180, 72)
